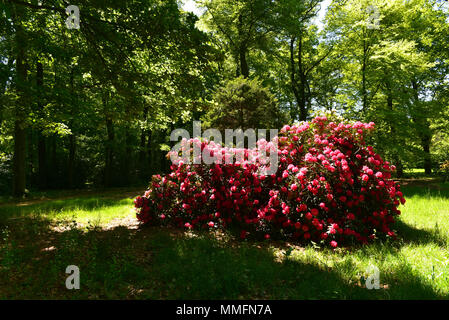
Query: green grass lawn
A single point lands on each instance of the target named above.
(119, 260)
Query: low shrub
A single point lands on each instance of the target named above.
(330, 188)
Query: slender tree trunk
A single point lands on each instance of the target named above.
(143, 162)
(243, 62)
(424, 131)
(302, 84)
(42, 161)
(19, 161)
(109, 152)
(399, 166)
(242, 51)
(72, 137)
(19, 158)
(298, 85)
(53, 173)
(425, 142)
(41, 144)
(142, 153)
(150, 152)
(293, 112)
(237, 66)
(71, 161)
(302, 101)
(364, 91)
(396, 159)
(128, 159)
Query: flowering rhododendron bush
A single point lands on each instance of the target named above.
(329, 187)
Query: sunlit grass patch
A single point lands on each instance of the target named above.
(96, 210)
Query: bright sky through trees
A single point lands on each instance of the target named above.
(190, 5)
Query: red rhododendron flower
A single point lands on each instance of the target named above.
(315, 195)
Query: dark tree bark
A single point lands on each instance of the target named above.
(72, 138)
(128, 159)
(243, 62)
(143, 159)
(71, 161)
(109, 152)
(19, 181)
(293, 77)
(396, 159)
(242, 51)
(53, 173)
(424, 131)
(150, 152)
(41, 144)
(364, 91)
(19, 161)
(142, 154)
(302, 84)
(298, 85)
(425, 143)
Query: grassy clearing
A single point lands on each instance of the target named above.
(118, 260)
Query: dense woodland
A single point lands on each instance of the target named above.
(95, 106)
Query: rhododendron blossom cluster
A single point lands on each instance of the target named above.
(329, 187)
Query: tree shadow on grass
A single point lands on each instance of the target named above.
(211, 271)
(160, 263)
(425, 189)
(410, 234)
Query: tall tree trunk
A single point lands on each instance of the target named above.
(425, 134)
(298, 85)
(237, 65)
(19, 161)
(128, 159)
(364, 91)
(302, 84)
(399, 166)
(71, 161)
(302, 101)
(425, 143)
(72, 137)
(150, 152)
(242, 50)
(41, 144)
(142, 153)
(293, 112)
(42, 161)
(19, 158)
(243, 62)
(53, 174)
(143, 159)
(396, 159)
(109, 152)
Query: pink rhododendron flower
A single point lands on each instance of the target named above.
(314, 195)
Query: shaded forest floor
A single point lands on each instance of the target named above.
(118, 259)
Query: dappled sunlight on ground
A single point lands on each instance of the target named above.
(119, 259)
